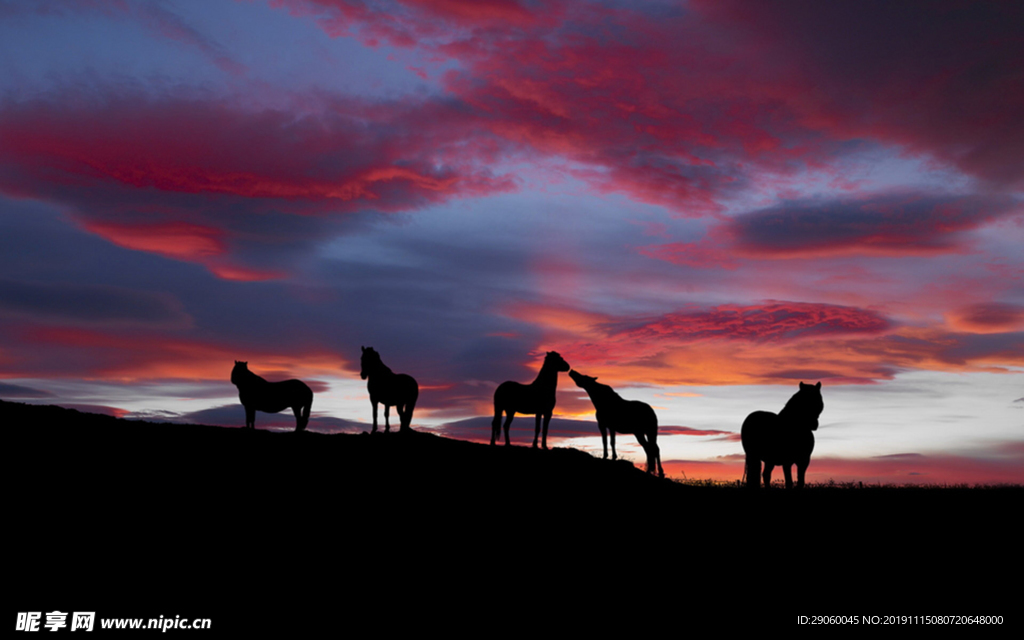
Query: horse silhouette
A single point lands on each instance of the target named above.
(271, 397)
(784, 439)
(617, 415)
(388, 388)
(538, 398)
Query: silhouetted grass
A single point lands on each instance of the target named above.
(235, 514)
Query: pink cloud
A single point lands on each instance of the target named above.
(679, 105)
(173, 177)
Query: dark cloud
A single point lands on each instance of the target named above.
(521, 432)
(941, 350)
(990, 317)
(156, 18)
(8, 390)
(885, 224)
(946, 79)
(90, 304)
(233, 415)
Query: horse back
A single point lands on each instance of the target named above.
(627, 416)
(765, 436)
(522, 398)
(394, 389)
(273, 397)
(757, 432)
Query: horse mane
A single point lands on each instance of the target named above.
(241, 374)
(801, 402)
(606, 392)
(376, 362)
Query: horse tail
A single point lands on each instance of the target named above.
(496, 423)
(409, 406)
(755, 436)
(305, 413)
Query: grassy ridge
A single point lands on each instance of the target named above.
(227, 518)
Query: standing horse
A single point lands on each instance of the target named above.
(538, 397)
(271, 397)
(617, 415)
(784, 439)
(388, 388)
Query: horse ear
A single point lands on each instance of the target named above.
(818, 386)
(362, 347)
(803, 386)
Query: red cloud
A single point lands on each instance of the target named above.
(775, 321)
(352, 155)
(990, 317)
(65, 352)
(178, 177)
(179, 240)
(678, 105)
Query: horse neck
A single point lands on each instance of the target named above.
(794, 411)
(381, 370)
(249, 378)
(603, 393)
(548, 377)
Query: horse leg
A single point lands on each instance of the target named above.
(753, 472)
(614, 455)
(801, 469)
(604, 439)
(374, 416)
(298, 418)
(767, 475)
(508, 422)
(495, 426)
(536, 431)
(787, 470)
(653, 455)
(547, 419)
(653, 440)
(387, 416)
(250, 417)
(407, 418)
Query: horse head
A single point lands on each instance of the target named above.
(238, 373)
(369, 360)
(582, 381)
(806, 405)
(553, 359)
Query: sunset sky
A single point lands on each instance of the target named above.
(702, 203)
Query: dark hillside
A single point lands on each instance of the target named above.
(231, 520)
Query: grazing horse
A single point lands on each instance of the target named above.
(617, 415)
(538, 398)
(271, 397)
(388, 388)
(784, 439)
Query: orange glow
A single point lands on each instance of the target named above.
(841, 346)
(128, 358)
(179, 240)
(898, 469)
(243, 274)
